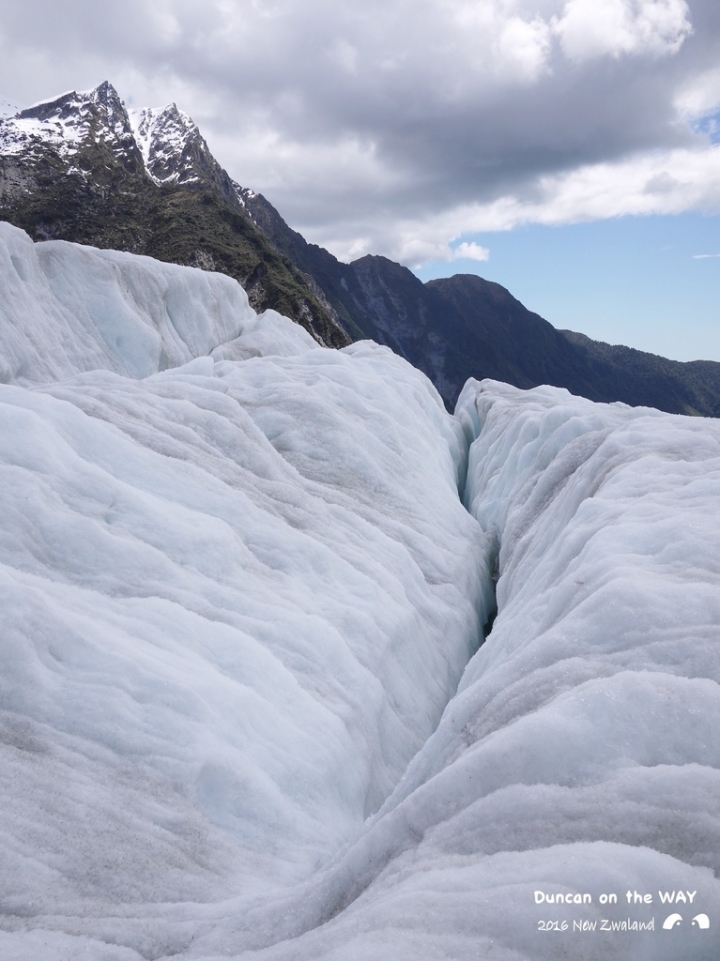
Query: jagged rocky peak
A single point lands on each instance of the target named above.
(163, 141)
(173, 149)
(156, 128)
(69, 124)
(75, 116)
(102, 99)
(244, 194)
(90, 133)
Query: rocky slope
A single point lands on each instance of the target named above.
(483, 319)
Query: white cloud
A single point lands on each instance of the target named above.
(594, 28)
(422, 247)
(470, 251)
(345, 55)
(700, 95)
(646, 184)
(522, 48)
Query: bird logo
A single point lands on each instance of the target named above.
(701, 921)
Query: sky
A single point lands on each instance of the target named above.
(568, 149)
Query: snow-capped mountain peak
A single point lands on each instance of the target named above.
(67, 123)
(150, 123)
(163, 140)
(170, 143)
(74, 115)
(83, 167)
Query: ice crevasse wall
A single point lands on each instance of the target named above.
(242, 706)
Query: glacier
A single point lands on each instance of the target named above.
(247, 708)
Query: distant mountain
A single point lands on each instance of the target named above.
(485, 322)
(82, 167)
(463, 326)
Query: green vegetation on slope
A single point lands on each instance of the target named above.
(107, 200)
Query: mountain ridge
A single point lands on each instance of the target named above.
(452, 336)
(82, 167)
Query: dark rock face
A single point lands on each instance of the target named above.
(510, 343)
(77, 169)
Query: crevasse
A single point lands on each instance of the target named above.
(578, 756)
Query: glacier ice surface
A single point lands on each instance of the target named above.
(67, 309)
(242, 709)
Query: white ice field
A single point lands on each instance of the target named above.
(244, 709)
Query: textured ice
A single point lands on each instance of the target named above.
(580, 754)
(242, 709)
(67, 309)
